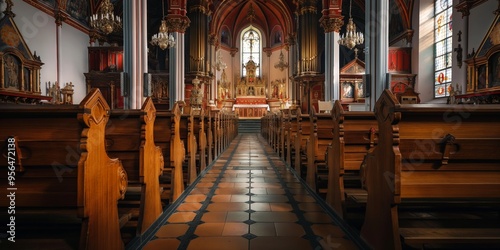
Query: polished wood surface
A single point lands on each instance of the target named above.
(439, 154)
(130, 137)
(354, 134)
(63, 164)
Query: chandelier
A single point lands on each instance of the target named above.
(163, 39)
(351, 38)
(281, 64)
(105, 19)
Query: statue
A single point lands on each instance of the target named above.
(67, 93)
(54, 91)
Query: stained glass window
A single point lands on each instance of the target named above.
(250, 48)
(443, 50)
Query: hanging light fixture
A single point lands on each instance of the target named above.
(163, 39)
(105, 20)
(351, 38)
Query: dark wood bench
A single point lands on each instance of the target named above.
(167, 137)
(187, 135)
(64, 179)
(441, 160)
(200, 134)
(285, 133)
(290, 141)
(354, 134)
(209, 121)
(301, 138)
(216, 131)
(320, 138)
(130, 138)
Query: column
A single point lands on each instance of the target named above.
(135, 52)
(211, 69)
(59, 18)
(377, 47)
(177, 22)
(291, 46)
(332, 21)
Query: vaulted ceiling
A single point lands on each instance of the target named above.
(263, 14)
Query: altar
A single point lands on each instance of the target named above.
(251, 91)
(250, 110)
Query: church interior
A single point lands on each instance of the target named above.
(256, 124)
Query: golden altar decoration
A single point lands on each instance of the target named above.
(251, 91)
(251, 85)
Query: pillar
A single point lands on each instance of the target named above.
(332, 21)
(177, 22)
(135, 52)
(377, 49)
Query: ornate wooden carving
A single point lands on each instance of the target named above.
(98, 199)
(19, 68)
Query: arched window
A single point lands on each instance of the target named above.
(250, 48)
(443, 49)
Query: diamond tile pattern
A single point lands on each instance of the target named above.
(248, 200)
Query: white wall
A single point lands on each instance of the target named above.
(74, 59)
(39, 31)
(423, 49)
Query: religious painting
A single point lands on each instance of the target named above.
(12, 77)
(9, 37)
(494, 74)
(481, 77)
(78, 9)
(360, 91)
(225, 36)
(491, 39)
(347, 90)
(276, 36)
(395, 21)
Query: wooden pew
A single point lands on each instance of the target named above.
(130, 138)
(290, 141)
(187, 135)
(285, 133)
(217, 132)
(200, 134)
(63, 176)
(303, 131)
(438, 156)
(278, 136)
(354, 134)
(209, 121)
(167, 137)
(320, 138)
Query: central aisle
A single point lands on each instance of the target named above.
(248, 200)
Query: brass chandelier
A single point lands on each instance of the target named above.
(351, 38)
(105, 20)
(163, 39)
